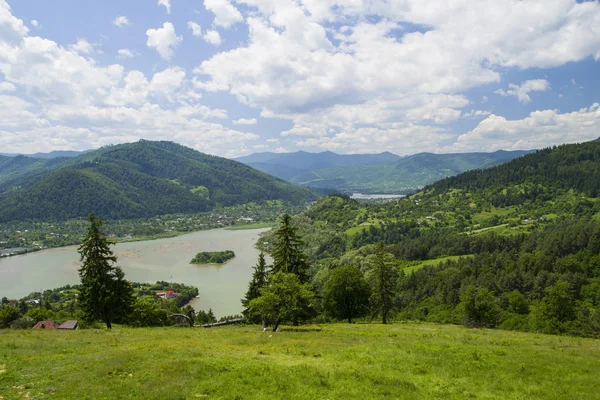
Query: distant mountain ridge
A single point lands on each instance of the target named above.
(50, 155)
(132, 180)
(372, 173)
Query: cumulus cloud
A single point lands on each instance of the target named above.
(35, 23)
(476, 114)
(164, 40)
(121, 21)
(213, 37)
(166, 4)
(7, 87)
(195, 28)
(245, 121)
(225, 13)
(522, 91)
(126, 53)
(72, 102)
(82, 46)
(539, 129)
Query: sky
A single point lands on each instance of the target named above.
(234, 77)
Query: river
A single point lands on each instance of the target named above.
(221, 287)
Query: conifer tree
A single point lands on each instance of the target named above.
(105, 294)
(259, 280)
(383, 275)
(287, 253)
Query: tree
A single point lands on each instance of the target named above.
(105, 294)
(287, 253)
(284, 299)
(383, 282)
(8, 314)
(148, 312)
(480, 307)
(346, 294)
(259, 280)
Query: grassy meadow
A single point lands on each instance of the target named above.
(400, 361)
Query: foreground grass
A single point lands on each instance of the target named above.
(402, 361)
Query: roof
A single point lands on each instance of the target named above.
(70, 324)
(46, 325)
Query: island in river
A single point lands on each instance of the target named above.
(213, 257)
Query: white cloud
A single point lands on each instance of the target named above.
(12, 29)
(195, 28)
(522, 91)
(167, 82)
(539, 129)
(245, 121)
(212, 37)
(82, 46)
(7, 87)
(166, 4)
(35, 23)
(225, 13)
(476, 114)
(126, 53)
(121, 21)
(164, 40)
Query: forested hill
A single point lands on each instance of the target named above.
(135, 180)
(570, 166)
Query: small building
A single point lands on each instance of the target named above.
(169, 294)
(46, 325)
(71, 324)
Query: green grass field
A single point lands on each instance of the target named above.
(401, 361)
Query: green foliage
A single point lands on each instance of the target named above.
(203, 317)
(479, 307)
(104, 294)
(148, 311)
(259, 280)
(346, 294)
(284, 299)
(213, 257)
(287, 254)
(8, 314)
(383, 277)
(136, 180)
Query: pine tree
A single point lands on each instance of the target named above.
(383, 275)
(105, 294)
(287, 254)
(259, 280)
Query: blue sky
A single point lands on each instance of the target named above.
(232, 77)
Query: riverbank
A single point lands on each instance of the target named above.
(349, 361)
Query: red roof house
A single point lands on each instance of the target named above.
(46, 325)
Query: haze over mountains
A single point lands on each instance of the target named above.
(371, 173)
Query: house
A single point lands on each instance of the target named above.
(169, 294)
(46, 325)
(69, 325)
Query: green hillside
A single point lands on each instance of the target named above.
(134, 180)
(402, 361)
(516, 246)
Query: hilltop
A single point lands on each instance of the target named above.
(402, 361)
(132, 180)
(372, 173)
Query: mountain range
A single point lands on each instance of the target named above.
(132, 180)
(371, 173)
